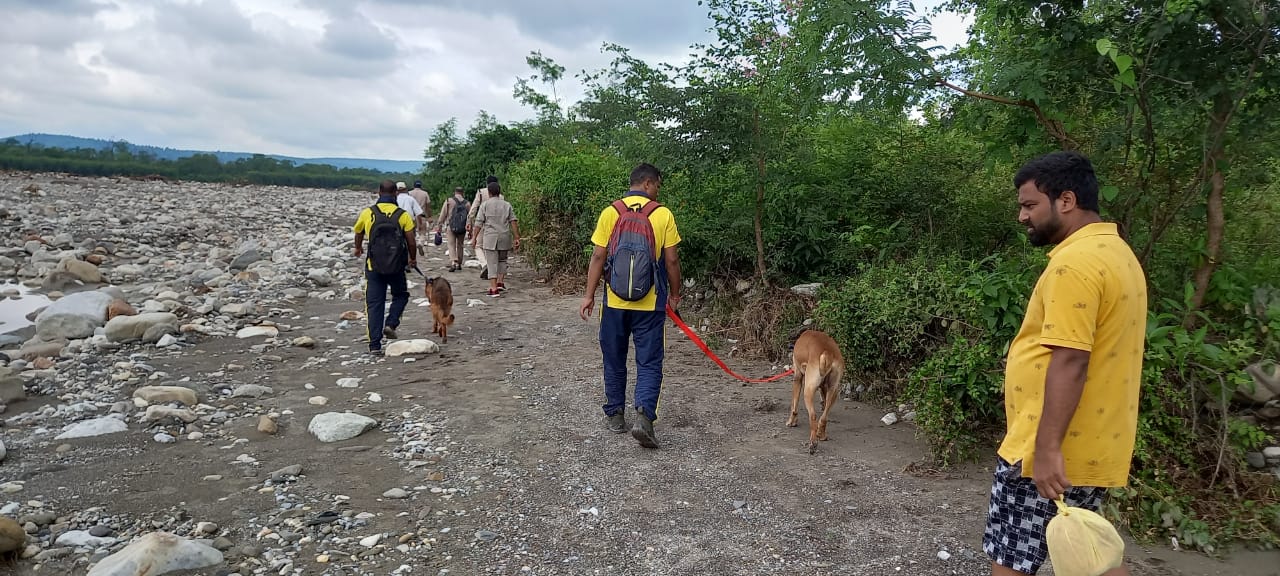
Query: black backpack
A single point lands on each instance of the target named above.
(388, 252)
(458, 219)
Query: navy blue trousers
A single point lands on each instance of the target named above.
(375, 300)
(647, 329)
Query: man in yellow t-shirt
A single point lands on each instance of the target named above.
(637, 313)
(378, 282)
(1073, 371)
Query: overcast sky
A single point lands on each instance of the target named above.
(310, 78)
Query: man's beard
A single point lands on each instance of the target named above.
(1044, 234)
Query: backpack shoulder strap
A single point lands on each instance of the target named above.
(621, 207)
(649, 208)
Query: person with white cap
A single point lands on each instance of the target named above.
(407, 203)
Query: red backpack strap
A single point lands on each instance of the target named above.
(621, 207)
(649, 208)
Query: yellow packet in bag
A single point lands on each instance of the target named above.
(1082, 543)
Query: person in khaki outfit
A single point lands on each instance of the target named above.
(499, 234)
(424, 202)
(481, 195)
(449, 222)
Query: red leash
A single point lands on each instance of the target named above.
(675, 317)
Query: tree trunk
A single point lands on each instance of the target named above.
(1213, 241)
(1214, 219)
(760, 174)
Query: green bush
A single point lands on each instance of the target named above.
(558, 196)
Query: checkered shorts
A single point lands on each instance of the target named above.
(1018, 516)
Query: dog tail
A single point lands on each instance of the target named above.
(824, 363)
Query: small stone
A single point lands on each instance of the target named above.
(223, 543)
(165, 438)
(286, 472)
(889, 419)
(94, 427)
(339, 426)
(351, 316)
(266, 425)
(317, 401)
(486, 536)
(212, 478)
(1256, 460)
(348, 382)
(371, 541)
(101, 531)
(395, 494)
(251, 391)
(944, 555)
(258, 331)
(304, 342)
(206, 528)
(408, 347)
(165, 394)
(322, 559)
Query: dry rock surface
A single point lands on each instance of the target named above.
(191, 395)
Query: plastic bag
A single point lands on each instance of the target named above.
(1082, 543)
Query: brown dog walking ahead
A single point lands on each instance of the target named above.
(440, 294)
(819, 366)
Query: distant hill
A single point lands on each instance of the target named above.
(69, 142)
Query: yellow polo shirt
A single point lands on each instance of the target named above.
(665, 235)
(1092, 296)
(365, 221)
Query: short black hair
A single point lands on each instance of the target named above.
(387, 188)
(495, 189)
(645, 172)
(491, 179)
(417, 183)
(1057, 172)
(457, 190)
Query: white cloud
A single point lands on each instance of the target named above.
(306, 77)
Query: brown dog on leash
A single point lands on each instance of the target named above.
(819, 366)
(440, 294)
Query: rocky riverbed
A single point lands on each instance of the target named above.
(193, 394)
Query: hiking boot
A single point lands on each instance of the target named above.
(642, 430)
(389, 333)
(616, 423)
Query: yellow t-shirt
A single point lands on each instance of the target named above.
(1092, 296)
(665, 235)
(365, 221)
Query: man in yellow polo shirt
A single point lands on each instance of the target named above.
(392, 251)
(642, 281)
(1073, 371)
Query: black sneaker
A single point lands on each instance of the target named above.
(484, 274)
(389, 333)
(377, 353)
(642, 430)
(616, 423)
